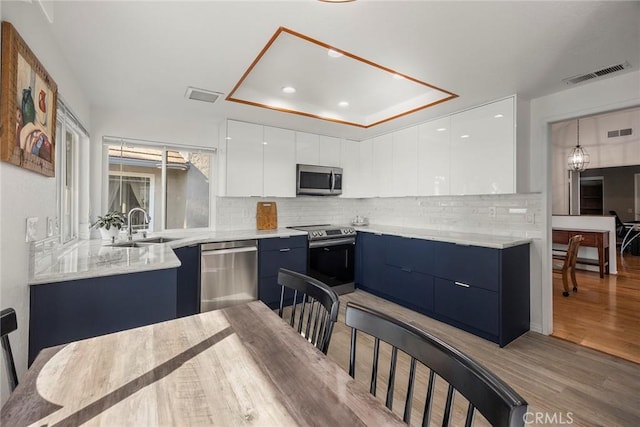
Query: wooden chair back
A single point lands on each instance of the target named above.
(572, 251)
(318, 307)
(484, 391)
(8, 324)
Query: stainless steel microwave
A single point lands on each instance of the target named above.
(318, 180)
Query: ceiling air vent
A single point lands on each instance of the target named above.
(613, 133)
(594, 74)
(625, 132)
(202, 95)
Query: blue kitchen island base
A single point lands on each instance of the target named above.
(73, 310)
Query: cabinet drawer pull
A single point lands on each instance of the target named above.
(285, 249)
(464, 285)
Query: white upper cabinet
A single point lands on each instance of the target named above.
(483, 149)
(367, 173)
(350, 164)
(244, 159)
(329, 151)
(433, 157)
(261, 160)
(307, 148)
(405, 162)
(383, 165)
(279, 147)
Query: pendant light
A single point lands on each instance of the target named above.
(578, 158)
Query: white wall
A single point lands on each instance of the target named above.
(24, 193)
(604, 95)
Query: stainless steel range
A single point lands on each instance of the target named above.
(332, 255)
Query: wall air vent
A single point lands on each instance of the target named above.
(620, 132)
(594, 74)
(202, 95)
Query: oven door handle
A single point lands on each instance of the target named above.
(332, 242)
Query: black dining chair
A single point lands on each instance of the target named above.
(318, 307)
(8, 324)
(485, 392)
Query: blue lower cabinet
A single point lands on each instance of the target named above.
(78, 309)
(469, 264)
(469, 307)
(274, 254)
(188, 292)
(370, 254)
(484, 291)
(409, 288)
(414, 254)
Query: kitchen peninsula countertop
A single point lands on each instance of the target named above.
(457, 237)
(85, 259)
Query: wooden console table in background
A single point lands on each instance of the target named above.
(592, 238)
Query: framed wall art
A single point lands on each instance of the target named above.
(27, 107)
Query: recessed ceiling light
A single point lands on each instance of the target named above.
(334, 53)
(498, 116)
(464, 136)
(441, 129)
(289, 89)
(264, 142)
(398, 77)
(227, 138)
(343, 104)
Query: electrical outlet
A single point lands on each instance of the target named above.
(32, 229)
(492, 212)
(531, 218)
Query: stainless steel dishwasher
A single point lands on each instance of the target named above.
(228, 274)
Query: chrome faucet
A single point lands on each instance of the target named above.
(129, 226)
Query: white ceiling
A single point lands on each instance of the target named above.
(141, 56)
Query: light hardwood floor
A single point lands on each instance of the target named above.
(605, 313)
(560, 380)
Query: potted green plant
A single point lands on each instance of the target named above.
(109, 224)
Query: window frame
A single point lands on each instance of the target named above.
(152, 184)
(165, 147)
(65, 126)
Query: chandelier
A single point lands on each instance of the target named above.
(578, 158)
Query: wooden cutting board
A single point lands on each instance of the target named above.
(267, 216)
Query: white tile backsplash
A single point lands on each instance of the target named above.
(456, 213)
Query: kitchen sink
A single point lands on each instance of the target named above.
(157, 240)
(143, 242)
(138, 244)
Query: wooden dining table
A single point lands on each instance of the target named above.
(241, 365)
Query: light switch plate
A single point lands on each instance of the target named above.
(32, 229)
(49, 226)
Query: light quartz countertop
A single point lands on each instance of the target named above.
(460, 238)
(95, 258)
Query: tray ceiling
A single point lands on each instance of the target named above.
(297, 74)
